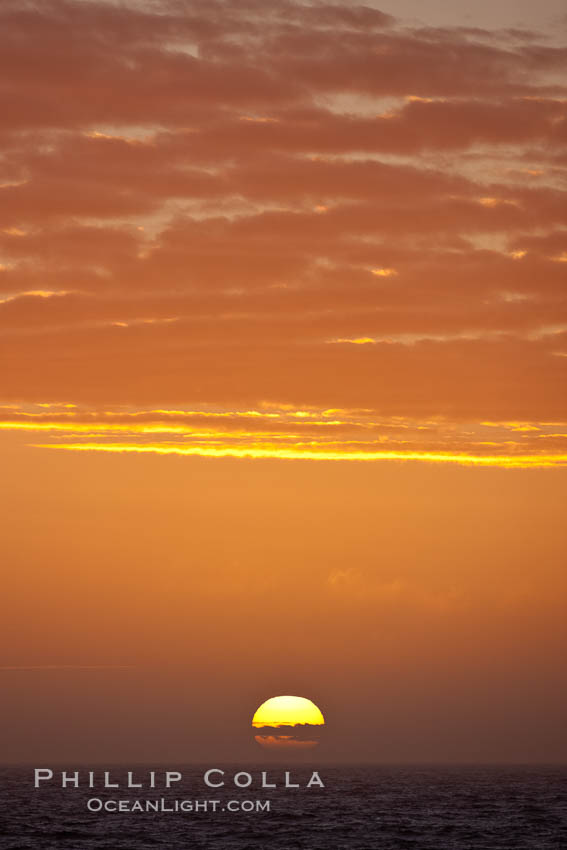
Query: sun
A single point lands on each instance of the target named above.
(288, 723)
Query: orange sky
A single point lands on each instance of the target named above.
(282, 376)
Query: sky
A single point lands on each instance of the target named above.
(283, 348)
(547, 17)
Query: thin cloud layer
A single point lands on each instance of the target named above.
(279, 431)
(216, 207)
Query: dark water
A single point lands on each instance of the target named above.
(360, 808)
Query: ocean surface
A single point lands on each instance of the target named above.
(360, 808)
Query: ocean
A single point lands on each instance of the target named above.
(360, 808)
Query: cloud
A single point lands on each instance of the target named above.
(353, 584)
(203, 204)
(285, 433)
(58, 667)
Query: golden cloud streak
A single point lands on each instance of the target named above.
(299, 453)
(102, 428)
(288, 435)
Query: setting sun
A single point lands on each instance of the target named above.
(286, 711)
(288, 722)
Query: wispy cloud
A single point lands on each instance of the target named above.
(69, 667)
(288, 433)
(300, 453)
